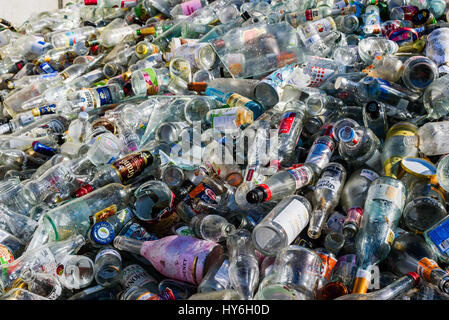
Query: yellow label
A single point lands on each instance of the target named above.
(103, 214)
(390, 237)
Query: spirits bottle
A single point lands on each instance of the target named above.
(382, 211)
(327, 195)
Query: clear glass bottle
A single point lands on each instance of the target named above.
(243, 265)
(382, 211)
(394, 290)
(108, 267)
(327, 195)
(360, 146)
(211, 227)
(282, 225)
(425, 203)
(401, 142)
(353, 198)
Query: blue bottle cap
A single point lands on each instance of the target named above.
(103, 232)
(346, 134)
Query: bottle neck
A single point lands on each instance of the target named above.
(399, 287)
(127, 244)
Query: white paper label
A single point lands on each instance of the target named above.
(293, 219)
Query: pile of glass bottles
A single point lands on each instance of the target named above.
(227, 149)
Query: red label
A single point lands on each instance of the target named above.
(287, 122)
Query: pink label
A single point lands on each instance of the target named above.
(179, 257)
(190, 7)
(354, 215)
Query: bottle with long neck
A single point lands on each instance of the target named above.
(353, 198)
(327, 195)
(382, 211)
(79, 215)
(394, 290)
(123, 171)
(282, 184)
(181, 258)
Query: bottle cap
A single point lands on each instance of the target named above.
(414, 276)
(103, 232)
(83, 116)
(346, 134)
(90, 2)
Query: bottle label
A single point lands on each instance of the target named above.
(135, 275)
(103, 214)
(26, 118)
(151, 79)
(87, 96)
(125, 215)
(278, 77)
(148, 296)
(136, 231)
(185, 231)
(328, 263)
(425, 267)
(335, 222)
(369, 174)
(390, 237)
(190, 7)
(104, 93)
(50, 109)
(287, 122)
(440, 236)
(387, 192)
(320, 153)
(293, 219)
(354, 215)
(132, 165)
(6, 255)
(204, 193)
(301, 176)
(319, 75)
(47, 68)
(128, 3)
(223, 119)
(70, 39)
(5, 128)
(55, 125)
(330, 179)
(108, 251)
(237, 100)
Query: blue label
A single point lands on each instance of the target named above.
(207, 195)
(219, 95)
(105, 95)
(47, 68)
(440, 236)
(136, 231)
(50, 109)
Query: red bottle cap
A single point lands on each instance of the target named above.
(90, 2)
(414, 276)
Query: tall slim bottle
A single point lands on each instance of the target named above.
(327, 195)
(382, 211)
